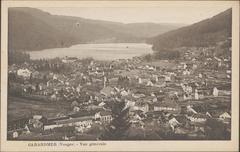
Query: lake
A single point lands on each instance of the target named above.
(106, 51)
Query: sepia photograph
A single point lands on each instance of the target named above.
(156, 73)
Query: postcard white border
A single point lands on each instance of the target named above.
(231, 145)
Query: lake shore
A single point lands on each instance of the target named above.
(104, 51)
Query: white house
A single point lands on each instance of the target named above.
(139, 80)
(190, 109)
(197, 118)
(24, 73)
(165, 106)
(186, 72)
(167, 78)
(155, 78)
(103, 116)
(143, 107)
(130, 104)
(208, 114)
(215, 92)
(76, 109)
(101, 104)
(124, 93)
(80, 121)
(184, 66)
(196, 95)
(225, 115)
(173, 123)
(51, 126)
(149, 83)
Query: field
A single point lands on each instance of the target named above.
(19, 107)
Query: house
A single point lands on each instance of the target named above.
(169, 106)
(208, 114)
(173, 123)
(186, 72)
(24, 73)
(53, 97)
(79, 121)
(191, 110)
(141, 106)
(198, 118)
(155, 78)
(149, 83)
(76, 109)
(130, 104)
(103, 116)
(51, 125)
(215, 92)
(194, 66)
(186, 88)
(184, 65)
(139, 80)
(42, 86)
(225, 115)
(101, 104)
(37, 75)
(186, 96)
(196, 96)
(107, 91)
(124, 93)
(167, 78)
(137, 96)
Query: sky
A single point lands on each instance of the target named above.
(158, 14)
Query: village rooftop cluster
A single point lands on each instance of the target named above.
(168, 99)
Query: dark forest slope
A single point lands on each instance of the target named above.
(205, 33)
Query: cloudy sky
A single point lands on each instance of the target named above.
(159, 14)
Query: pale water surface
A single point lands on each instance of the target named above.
(105, 51)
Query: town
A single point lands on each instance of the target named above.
(188, 98)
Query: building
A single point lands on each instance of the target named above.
(198, 118)
(24, 73)
(103, 116)
(80, 121)
(173, 123)
(170, 106)
(215, 92)
(141, 106)
(225, 115)
(107, 91)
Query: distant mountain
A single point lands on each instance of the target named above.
(32, 29)
(205, 33)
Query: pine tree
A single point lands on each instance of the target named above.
(118, 128)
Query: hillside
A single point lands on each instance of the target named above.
(27, 32)
(33, 29)
(205, 33)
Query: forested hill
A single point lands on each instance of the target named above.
(33, 29)
(205, 33)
